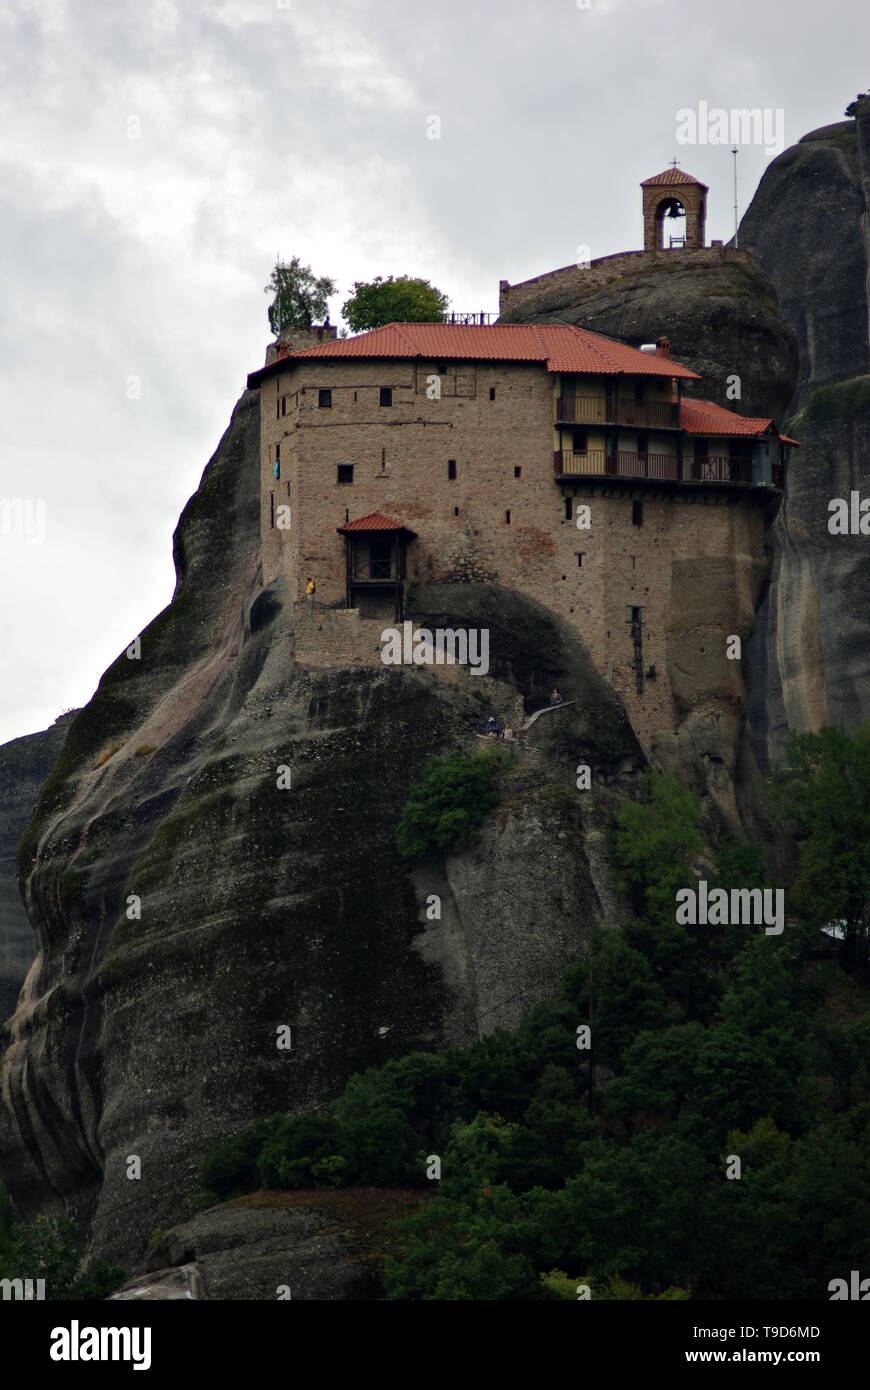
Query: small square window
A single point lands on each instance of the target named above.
(518, 471)
(386, 395)
(345, 473)
(442, 368)
(324, 398)
(492, 393)
(451, 468)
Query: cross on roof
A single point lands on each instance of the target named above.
(674, 163)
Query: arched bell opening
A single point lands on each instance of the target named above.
(671, 224)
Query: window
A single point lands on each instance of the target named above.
(580, 441)
(277, 469)
(271, 508)
(383, 460)
(345, 473)
(507, 518)
(455, 511)
(442, 368)
(635, 615)
(380, 559)
(278, 408)
(386, 395)
(451, 468)
(518, 471)
(283, 405)
(567, 508)
(637, 513)
(324, 398)
(580, 554)
(492, 393)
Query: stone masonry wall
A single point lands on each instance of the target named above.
(694, 566)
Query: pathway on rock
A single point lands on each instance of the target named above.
(548, 709)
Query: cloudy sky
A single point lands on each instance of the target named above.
(157, 157)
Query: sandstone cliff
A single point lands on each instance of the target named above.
(155, 1035)
(809, 223)
(24, 765)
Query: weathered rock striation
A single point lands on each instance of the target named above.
(24, 765)
(809, 223)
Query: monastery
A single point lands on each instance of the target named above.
(542, 458)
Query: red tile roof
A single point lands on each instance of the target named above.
(375, 521)
(672, 176)
(563, 347)
(705, 417)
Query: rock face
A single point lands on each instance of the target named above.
(186, 906)
(810, 226)
(24, 765)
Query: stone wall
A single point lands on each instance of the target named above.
(505, 519)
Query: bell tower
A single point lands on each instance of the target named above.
(674, 211)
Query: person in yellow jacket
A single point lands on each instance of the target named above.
(310, 591)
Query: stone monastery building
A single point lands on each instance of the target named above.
(542, 458)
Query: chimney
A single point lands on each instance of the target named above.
(663, 347)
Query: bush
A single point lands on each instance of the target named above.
(445, 810)
(49, 1249)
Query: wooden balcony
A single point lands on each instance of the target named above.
(705, 468)
(624, 464)
(718, 468)
(596, 410)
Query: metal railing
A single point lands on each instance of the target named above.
(469, 319)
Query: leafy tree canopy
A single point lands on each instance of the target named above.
(399, 299)
(825, 791)
(300, 298)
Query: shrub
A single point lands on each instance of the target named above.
(446, 809)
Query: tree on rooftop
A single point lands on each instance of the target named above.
(852, 108)
(299, 296)
(403, 299)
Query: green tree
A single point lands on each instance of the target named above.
(656, 841)
(825, 791)
(445, 809)
(852, 108)
(49, 1249)
(300, 298)
(403, 299)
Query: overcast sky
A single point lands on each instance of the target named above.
(158, 156)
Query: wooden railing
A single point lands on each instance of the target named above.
(719, 468)
(597, 410)
(624, 464)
